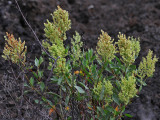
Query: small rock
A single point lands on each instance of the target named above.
(9, 2)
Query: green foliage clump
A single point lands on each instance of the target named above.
(93, 85)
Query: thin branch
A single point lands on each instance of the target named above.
(51, 72)
(34, 32)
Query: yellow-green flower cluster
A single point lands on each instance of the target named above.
(98, 88)
(105, 47)
(128, 48)
(60, 67)
(14, 50)
(128, 89)
(135, 45)
(147, 66)
(108, 90)
(56, 33)
(76, 48)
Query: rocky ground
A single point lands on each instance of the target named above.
(138, 18)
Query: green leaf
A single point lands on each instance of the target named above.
(83, 85)
(89, 106)
(140, 88)
(44, 99)
(118, 85)
(67, 100)
(84, 64)
(79, 89)
(54, 80)
(128, 115)
(44, 53)
(112, 118)
(90, 54)
(63, 88)
(144, 83)
(35, 75)
(119, 62)
(25, 92)
(108, 69)
(79, 97)
(110, 109)
(112, 66)
(69, 118)
(123, 109)
(50, 103)
(99, 62)
(86, 72)
(42, 86)
(117, 71)
(93, 58)
(36, 62)
(101, 110)
(132, 67)
(105, 64)
(40, 60)
(31, 81)
(40, 73)
(54, 94)
(110, 77)
(102, 93)
(87, 56)
(37, 101)
(97, 117)
(94, 68)
(116, 113)
(26, 85)
(116, 99)
(59, 81)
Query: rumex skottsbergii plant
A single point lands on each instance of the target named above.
(91, 85)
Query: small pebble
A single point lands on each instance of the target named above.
(9, 2)
(90, 6)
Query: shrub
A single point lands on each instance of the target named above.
(90, 84)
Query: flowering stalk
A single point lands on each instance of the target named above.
(14, 50)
